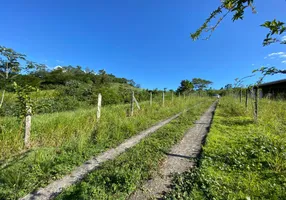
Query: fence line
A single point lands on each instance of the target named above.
(28, 117)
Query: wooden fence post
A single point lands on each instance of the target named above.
(151, 98)
(28, 120)
(98, 107)
(132, 104)
(246, 98)
(163, 95)
(240, 95)
(255, 103)
(137, 104)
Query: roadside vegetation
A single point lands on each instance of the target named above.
(117, 179)
(62, 141)
(241, 159)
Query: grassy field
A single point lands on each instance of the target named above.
(61, 141)
(241, 159)
(117, 179)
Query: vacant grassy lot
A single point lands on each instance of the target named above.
(241, 159)
(62, 141)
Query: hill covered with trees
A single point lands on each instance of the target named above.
(62, 88)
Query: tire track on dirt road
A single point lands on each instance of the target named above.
(178, 160)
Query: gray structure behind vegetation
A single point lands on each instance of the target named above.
(275, 89)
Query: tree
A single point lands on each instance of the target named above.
(10, 67)
(228, 86)
(185, 87)
(238, 81)
(41, 70)
(200, 84)
(237, 8)
(131, 82)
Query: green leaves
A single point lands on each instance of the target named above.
(200, 84)
(185, 87)
(237, 7)
(266, 71)
(24, 101)
(275, 27)
(204, 27)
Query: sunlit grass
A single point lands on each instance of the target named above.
(61, 141)
(117, 179)
(242, 159)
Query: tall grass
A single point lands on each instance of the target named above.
(61, 141)
(242, 159)
(118, 178)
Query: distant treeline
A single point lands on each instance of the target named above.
(67, 88)
(62, 75)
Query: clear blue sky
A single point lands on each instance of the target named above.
(145, 40)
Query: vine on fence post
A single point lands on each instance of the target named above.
(24, 109)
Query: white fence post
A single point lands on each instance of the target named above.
(255, 103)
(246, 98)
(163, 98)
(28, 120)
(98, 107)
(240, 95)
(132, 104)
(137, 104)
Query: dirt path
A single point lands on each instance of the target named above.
(53, 189)
(178, 159)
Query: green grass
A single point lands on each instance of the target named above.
(241, 159)
(62, 141)
(117, 179)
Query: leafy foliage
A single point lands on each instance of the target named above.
(268, 71)
(24, 101)
(238, 7)
(200, 84)
(10, 66)
(275, 27)
(72, 87)
(185, 87)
